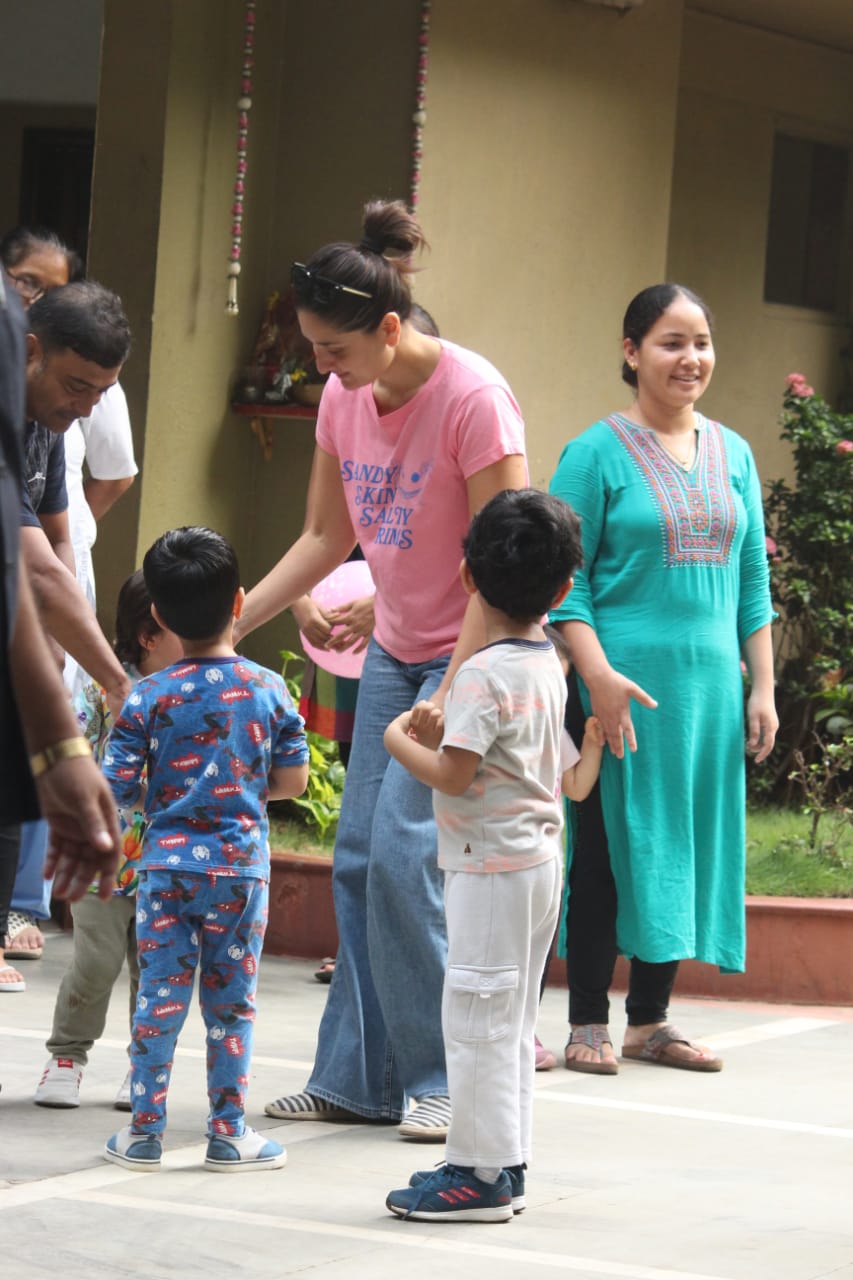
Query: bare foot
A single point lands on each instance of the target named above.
(10, 979)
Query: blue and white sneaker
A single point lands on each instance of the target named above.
(516, 1180)
(140, 1151)
(240, 1155)
(454, 1194)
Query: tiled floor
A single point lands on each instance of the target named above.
(651, 1175)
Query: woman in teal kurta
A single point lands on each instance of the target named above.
(673, 591)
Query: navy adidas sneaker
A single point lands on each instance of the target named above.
(453, 1194)
(516, 1179)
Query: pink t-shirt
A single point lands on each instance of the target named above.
(404, 475)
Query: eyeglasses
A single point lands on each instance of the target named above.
(323, 290)
(27, 286)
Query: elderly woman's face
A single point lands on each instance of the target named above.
(43, 269)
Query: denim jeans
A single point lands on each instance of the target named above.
(32, 892)
(380, 1039)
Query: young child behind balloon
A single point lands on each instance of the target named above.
(104, 932)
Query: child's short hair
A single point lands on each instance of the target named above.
(193, 577)
(520, 549)
(133, 619)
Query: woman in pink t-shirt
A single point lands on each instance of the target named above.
(414, 434)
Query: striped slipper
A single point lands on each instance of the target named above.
(428, 1120)
(304, 1106)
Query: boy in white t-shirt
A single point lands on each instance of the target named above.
(497, 758)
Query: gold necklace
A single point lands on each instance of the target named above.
(686, 461)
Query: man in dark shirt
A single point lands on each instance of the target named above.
(77, 342)
(35, 716)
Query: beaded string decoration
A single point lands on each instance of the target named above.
(244, 106)
(419, 115)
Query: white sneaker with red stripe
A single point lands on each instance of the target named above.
(60, 1084)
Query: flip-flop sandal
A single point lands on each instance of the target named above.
(327, 968)
(17, 923)
(20, 985)
(593, 1035)
(657, 1051)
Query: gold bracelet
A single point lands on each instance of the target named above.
(65, 749)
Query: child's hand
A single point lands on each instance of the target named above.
(593, 730)
(426, 724)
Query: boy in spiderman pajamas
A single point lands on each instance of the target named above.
(219, 737)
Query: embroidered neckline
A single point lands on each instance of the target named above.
(695, 507)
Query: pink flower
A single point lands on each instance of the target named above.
(844, 446)
(797, 385)
(770, 545)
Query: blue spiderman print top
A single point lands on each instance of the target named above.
(208, 730)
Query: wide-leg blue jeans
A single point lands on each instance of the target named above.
(380, 1040)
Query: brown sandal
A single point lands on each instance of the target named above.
(593, 1035)
(657, 1051)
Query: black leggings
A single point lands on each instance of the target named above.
(591, 919)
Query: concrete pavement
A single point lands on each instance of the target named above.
(650, 1175)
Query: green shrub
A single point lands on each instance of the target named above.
(810, 536)
(320, 804)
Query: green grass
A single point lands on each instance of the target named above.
(295, 837)
(778, 860)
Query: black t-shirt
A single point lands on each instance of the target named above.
(44, 492)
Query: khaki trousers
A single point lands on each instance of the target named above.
(104, 936)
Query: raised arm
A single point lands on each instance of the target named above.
(448, 769)
(509, 472)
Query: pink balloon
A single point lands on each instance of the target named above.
(348, 582)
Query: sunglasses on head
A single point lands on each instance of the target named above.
(321, 288)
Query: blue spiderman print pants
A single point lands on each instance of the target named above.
(214, 924)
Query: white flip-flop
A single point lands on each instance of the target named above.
(20, 985)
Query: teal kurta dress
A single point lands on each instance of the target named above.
(675, 578)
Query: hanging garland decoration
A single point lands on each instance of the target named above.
(244, 106)
(419, 116)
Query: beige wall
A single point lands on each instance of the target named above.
(163, 189)
(345, 92)
(737, 85)
(546, 186)
(329, 128)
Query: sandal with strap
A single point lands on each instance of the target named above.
(19, 923)
(657, 1051)
(593, 1035)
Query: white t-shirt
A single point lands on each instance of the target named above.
(405, 479)
(506, 704)
(105, 442)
